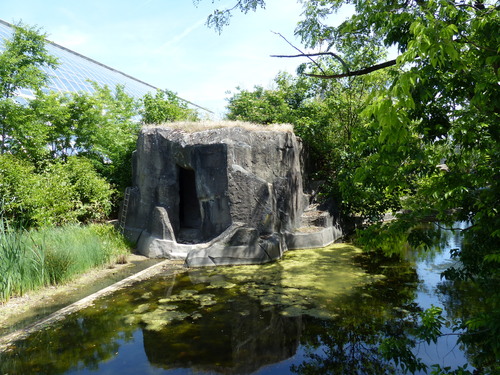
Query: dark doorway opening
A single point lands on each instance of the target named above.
(189, 207)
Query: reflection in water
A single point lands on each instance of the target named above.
(233, 346)
(349, 343)
(314, 312)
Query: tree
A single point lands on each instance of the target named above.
(106, 129)
(165, 106)
(259, 106)
(440, 106)
(55, 137)
(325, 114)
(430, 146)
(102, 126)
(21, 66)
(60, 193)
(78, 146)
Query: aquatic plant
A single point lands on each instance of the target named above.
(49, 256)
(282, 286)
(11, 259)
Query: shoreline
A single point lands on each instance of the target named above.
(21, 316)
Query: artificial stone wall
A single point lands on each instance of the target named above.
(188, 181)
(215, 196)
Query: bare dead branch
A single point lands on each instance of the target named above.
(466, 41)
(347, 73)
(452, 228)
(346, 67)
(356, 72)
(301, 53)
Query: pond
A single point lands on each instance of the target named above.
(313, 312)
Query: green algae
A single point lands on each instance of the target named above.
(196, 315)
(146, 296)
(215, 284)
(304, 282)
(142, 308)
(158, 319)
(300, 282)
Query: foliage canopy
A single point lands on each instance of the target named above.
(21, 65)
(76, 145)
(429, 141)
(165, 106)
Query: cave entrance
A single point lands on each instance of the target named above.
(189, 207)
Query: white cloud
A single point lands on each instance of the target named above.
(177, 38)
(69, 38)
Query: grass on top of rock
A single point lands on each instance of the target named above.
(198, 126)
(36, 258)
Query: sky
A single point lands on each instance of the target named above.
(167, 44)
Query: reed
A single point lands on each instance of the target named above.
(11, 259)
(31, 259)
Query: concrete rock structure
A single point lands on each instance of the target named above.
(221, 195)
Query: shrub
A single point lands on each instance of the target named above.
(52, 198)
(16, 179)
(61, 193)
(92, 192)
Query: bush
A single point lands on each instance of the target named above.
(16, 178)
(51, 199)
(92, 191)
(62, 193)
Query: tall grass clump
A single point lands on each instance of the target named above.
(30, 259)
(15, 261)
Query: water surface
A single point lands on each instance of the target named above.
(313, 312)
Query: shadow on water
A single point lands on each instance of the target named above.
(313, 312)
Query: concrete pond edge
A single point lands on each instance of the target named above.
(166, 265)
